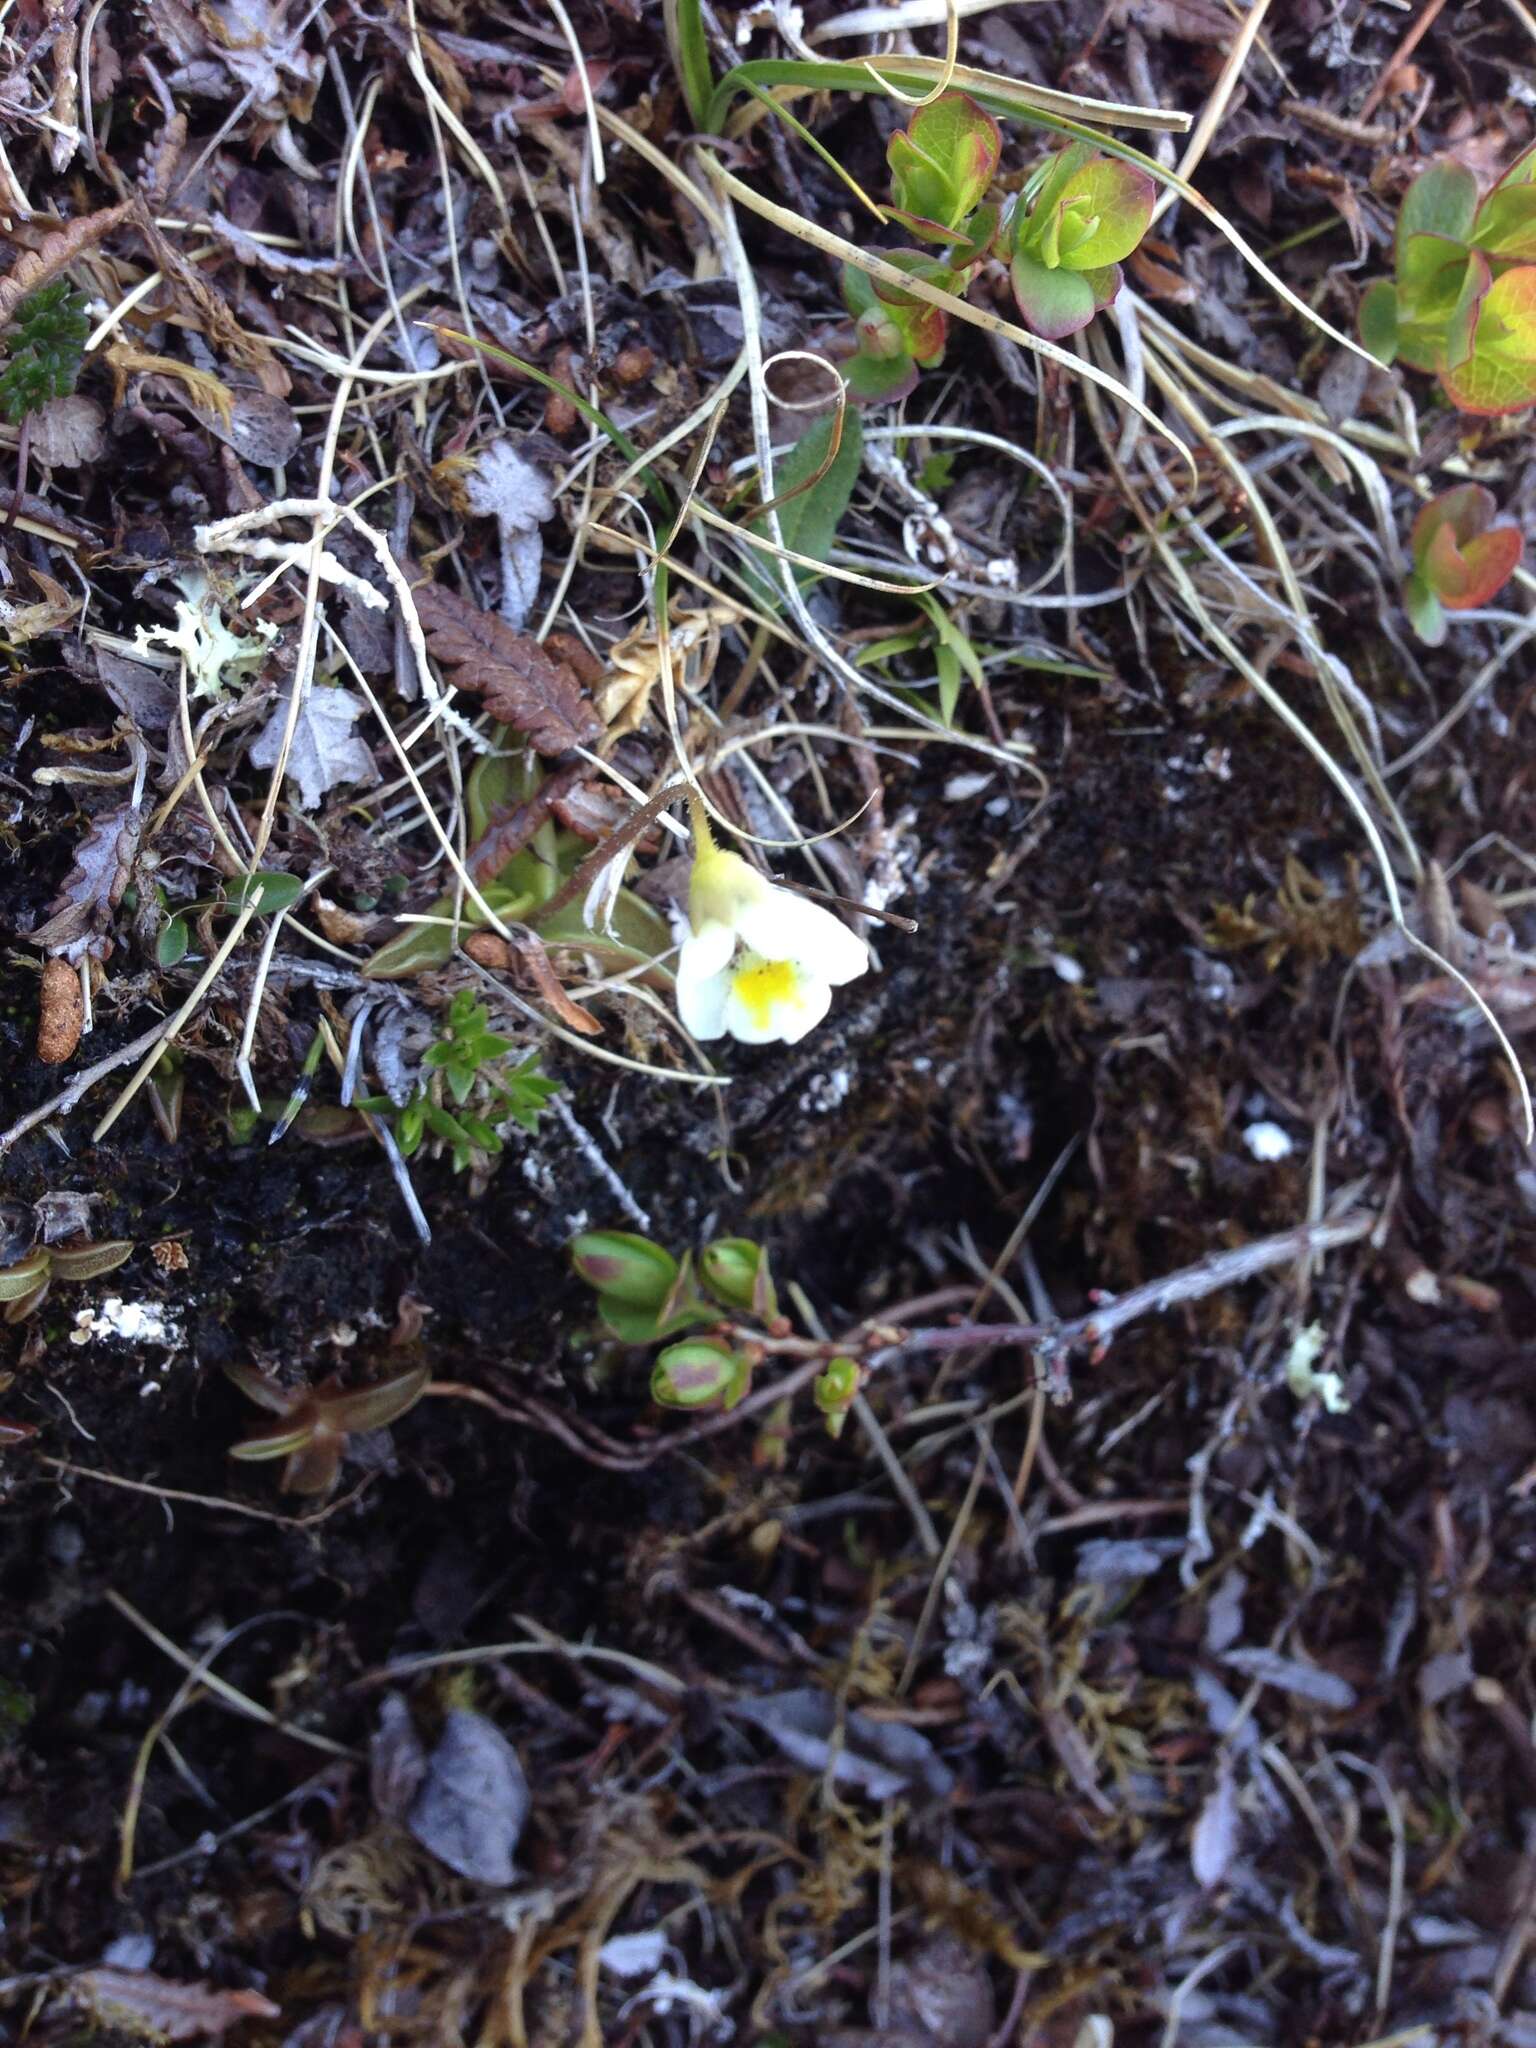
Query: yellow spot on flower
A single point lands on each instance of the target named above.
(762, 987)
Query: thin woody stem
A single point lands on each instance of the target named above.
(1221, 1269)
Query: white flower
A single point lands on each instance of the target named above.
(759, 962)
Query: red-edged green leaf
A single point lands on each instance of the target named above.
(919, 185)
(1506, 223)
(1378, 320)
(1499, 374)
(1490, 561)
(1521, 172)
(1444, 568)
(879, 380)
(1457, 339)
(1440, 201)
(923, 326)
(1458, 552)
(1465, 511)
(927, 230)
(1104, 284)
(943, 162)
(1105, 211)
(1053, 303)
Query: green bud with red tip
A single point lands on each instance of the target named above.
(735, 1270)
(835, 1390)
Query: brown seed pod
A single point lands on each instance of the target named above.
(634, 364)
(61, 1013)
(489, 948)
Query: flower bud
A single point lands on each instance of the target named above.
(879, 335)
(835, 1390)
(624, 1267)
(699, 1373)
(735, 1271)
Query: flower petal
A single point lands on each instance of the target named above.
(705, 951)
(701, 1000)
(783, 926)
(719, 887)
(772, 1000)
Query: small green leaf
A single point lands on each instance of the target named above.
(835, 1391)
(1440, 201)
(814, 484)
(174, 939)
(1425, 612)
(268, 891)
(1439, 284)
(1036, 220)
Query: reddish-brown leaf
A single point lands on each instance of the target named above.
(157, 2009)
(522, 684)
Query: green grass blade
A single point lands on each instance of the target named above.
(689, 47)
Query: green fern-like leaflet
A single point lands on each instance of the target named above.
(47, 341)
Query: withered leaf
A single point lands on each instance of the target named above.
(473, 1800)
(522, 684)
(93, 887)
(157, 2009)
(67, 432)
(36, 267)
(325, 751)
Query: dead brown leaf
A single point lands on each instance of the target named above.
(37, 267)
(67, 432)
(521, 684)
(94, 886)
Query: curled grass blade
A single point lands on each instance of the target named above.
(915, 76)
